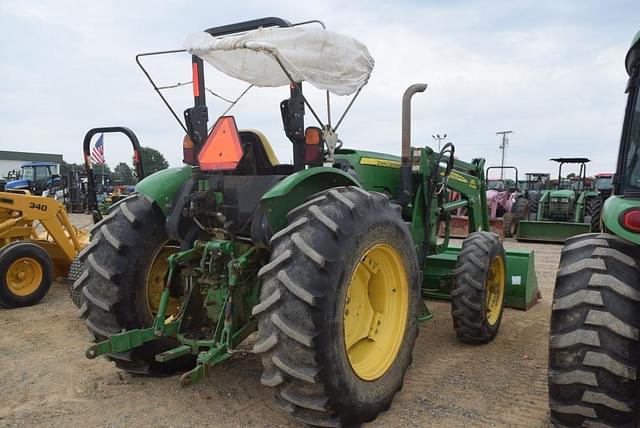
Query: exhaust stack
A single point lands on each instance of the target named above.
(404, 195)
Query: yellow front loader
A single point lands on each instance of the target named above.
(38, 243)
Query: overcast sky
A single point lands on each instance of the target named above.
(550, 71)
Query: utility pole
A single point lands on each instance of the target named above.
(503, 147)
(438, 138)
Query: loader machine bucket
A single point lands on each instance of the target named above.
(460, 227)
(522, 283)
(550, 231)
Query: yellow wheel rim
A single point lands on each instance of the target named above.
(24, 276)
(155, 281)
(495, 290)
(376, 310)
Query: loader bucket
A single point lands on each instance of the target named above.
(550, 231)
(460, 227)
(522, 283)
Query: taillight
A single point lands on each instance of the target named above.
(312, 145)
(222, 151)
(187, 150)
(630, 220)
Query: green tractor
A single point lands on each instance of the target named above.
(571, 209)
(327, 260)
(594, 349)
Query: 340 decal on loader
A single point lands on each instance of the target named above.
(327, 259)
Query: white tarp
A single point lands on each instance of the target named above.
(328, 61)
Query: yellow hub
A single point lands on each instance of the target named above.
(376, 310)
(155, 281)
(24, 276)
(495, 287)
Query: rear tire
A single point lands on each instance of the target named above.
(480, 273)
(593, 340)
(305, 302)
(26, 274)
(114, 285)
(534, 201)
(592, 208)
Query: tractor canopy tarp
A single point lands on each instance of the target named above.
(328, 61)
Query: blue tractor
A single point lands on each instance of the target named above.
(36, 177)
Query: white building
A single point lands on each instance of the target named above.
(13, 160)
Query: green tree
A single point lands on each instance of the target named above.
(152, 160)
(66, 167)
(122, 174)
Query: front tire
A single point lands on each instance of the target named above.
(316, 319)
(26, 274)
(479, 291)
(593, 341)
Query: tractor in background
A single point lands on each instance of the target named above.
(38, 243)
(534, 184)
(507, 205)
(572, 208)
(594, 350)
(36, 177)
(603, 184)
(327, 258)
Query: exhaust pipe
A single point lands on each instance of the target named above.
(404, 195)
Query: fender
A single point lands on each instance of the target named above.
(293, 190)
(162, 186)
(612, 209)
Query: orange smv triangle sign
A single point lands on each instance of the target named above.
(222, 151)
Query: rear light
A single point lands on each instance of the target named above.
(223, 150)
(187, 151)
(312, 145)
(196, 80)
(630, 220)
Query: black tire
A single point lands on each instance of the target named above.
(592, 208)
(521, 209)
(534, 201)
(11, 253)
(593, 341)
(468, 296)
(116, 265)
(303, 298)
(509, 225)
(75, 272)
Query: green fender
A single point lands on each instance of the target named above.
(162, 186)
(296, 188)
(613, 208)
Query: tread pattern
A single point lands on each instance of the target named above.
(593, 207)
(468, 293)
(76, 280)
(291, 312)
(595, 328)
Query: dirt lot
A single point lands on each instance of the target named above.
(46, 381)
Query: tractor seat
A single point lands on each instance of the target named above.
(259, 157)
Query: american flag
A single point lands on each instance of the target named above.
(97, 154)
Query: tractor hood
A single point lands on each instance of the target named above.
(634, 53)
(17, 184)
(329, 61)
(569, 194)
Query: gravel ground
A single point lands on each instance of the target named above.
(46, 381)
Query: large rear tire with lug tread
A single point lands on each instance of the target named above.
(118, 282)
(337, 318)
(593, 341)
(75, 271)
(26, 274)
(479, 290)
(593, 206)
